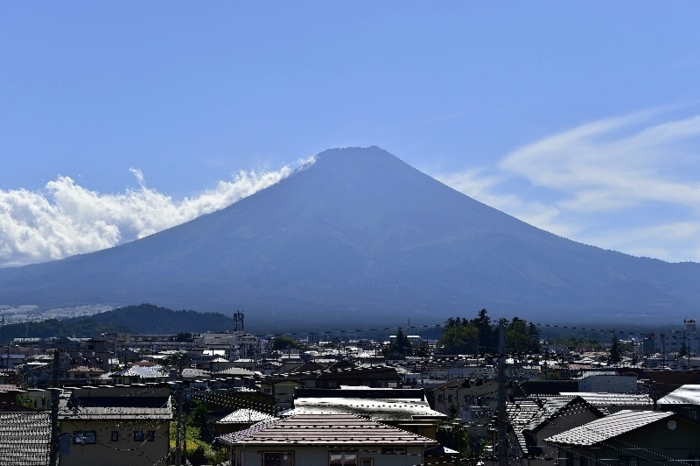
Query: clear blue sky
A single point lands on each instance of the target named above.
(561, 113)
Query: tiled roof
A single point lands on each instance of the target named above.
(685, 395)
(378, 409)
(324, 430)
(244, 416)
(608, 427)
(25, 438)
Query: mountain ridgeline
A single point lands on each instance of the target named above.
(360, 235)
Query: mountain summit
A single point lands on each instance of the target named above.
(360, 234)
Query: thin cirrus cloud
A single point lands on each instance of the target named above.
(626, 183)
(66, 219)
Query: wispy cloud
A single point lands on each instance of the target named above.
(66, 219)
(587, 182)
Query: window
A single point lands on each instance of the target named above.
(394, 451)
(441, 398)
(115, 436)
(629, 461)
(583, 461)
(342, 458)
(278, 459)
(367, 462)
(84, 437)
(138, 436)
(151, 436)
(449, 398)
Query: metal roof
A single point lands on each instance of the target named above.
(686, 395)
(25, 438)
(378, 409)
(599, 399)
(324, 430)
(608, 427)
(245, 416)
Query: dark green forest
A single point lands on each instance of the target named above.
(144, 318)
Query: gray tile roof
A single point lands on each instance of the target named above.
(686, 395)
(608, 427)
(324, 430)
(25, 438)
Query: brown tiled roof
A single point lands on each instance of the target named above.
(324, 430)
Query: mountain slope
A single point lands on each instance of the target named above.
(361, 233)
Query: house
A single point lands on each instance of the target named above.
(452, 396)
(337, 439)
(25, 438)
(684, 401)
(630, 438)
(115, 425)
(406, 409)
(533, 420)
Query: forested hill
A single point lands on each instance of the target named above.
(144, 318)
(147, 318)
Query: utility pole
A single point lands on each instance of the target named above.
(501, 408)
(178, 435)
(54, 411)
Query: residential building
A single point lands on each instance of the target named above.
(330, 439)
(630, 438)
(115, 425)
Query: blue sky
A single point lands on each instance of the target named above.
(580, 118)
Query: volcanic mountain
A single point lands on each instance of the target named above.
(360, 236)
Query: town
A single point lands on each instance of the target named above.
(474, 391)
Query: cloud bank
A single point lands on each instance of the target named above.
(66, 219)
(628, 183)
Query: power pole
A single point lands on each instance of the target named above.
(178, 435)
(54, 412)
(501, 408)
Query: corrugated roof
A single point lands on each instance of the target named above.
(612, 399)
(608, 427)
(686, 395)
(377, 409)
(25, 438)
(324, 430)
(244, 416)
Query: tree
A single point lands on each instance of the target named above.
(683, 351)
(401, 346)
(486, 332)
(462, 339)
(284, 343)
(615, 355)
(454, 435)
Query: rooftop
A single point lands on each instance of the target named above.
(324, 430)
(608, 427)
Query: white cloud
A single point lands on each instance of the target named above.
(66, 219)
(627, 183)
